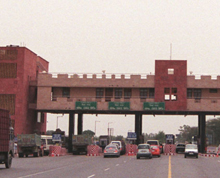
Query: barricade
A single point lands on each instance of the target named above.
(131, 149)
(93, 150)
(63, 152)
(209, 155)
(170, 149)
(54, 150)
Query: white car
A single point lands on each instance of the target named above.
(191, 150)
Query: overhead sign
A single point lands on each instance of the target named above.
(132, 135)
(56, 137)
(86, 105)
(119, 105)
(154, 106)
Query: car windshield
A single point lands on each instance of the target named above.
(152, 142)
(191, 146)
(111, 147)
(116, 143)
(180, 145)
(143, 147)
(154, 147)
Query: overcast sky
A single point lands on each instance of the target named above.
(118, 36)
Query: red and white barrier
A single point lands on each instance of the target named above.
(170, 149)
(131, 149)
(93, 150)
(54, 151)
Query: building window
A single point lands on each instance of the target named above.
(66, 92)
(118, 93)
(174, 90)
(99, 92)
(8, 70)
(189, 93)
(166, 90)
(7, 101)
(170, 71)
(151, 93)
(143, 93)
(197, 93)
(127, 93)
(213, 91)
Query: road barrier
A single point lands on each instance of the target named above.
(54, 150)
(93, 150)
(209, 155)
(170, 149)
(131, 149)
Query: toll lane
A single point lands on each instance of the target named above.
(98, 167)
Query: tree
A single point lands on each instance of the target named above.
(213, 128)
(160, 136)
(186, 133)
(88, 132)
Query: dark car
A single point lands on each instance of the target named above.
(180, 147)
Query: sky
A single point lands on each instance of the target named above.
(120, 37)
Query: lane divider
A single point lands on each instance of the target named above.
(169, 168)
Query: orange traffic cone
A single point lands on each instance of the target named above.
(52, 154)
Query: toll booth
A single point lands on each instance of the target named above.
(170, 139)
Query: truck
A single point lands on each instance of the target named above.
(104, 140)
(80, 143)
(29, 144)
(6, 139)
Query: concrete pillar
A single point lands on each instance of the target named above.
(202, 133)
(80, 123)
(71, 131)
(138, 127)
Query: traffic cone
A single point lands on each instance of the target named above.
(52, 154)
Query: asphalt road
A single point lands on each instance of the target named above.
(124, 167)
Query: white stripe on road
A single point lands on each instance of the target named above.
(117, 165)
(107, 169)
(91, 176)
(30, 175)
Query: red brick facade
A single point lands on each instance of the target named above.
(27, 66)
(171, 84)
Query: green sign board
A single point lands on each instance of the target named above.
(119, 105)
(85, 105)
(154, 106)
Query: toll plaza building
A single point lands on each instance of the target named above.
(169, 92)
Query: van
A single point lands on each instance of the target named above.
(121, 145)
(47, 142)
(153, 142)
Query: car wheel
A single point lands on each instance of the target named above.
(150, 157)
(196, 156)
(185, 156)
(176, 151)
(158, 155)
(138, 157)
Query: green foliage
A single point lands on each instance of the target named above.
(213, 129)
(186, 133)
(88, 132)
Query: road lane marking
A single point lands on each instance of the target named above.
(169, 169)
(218, 161)
(124, 161)
(117, 165)
(107, 169)
(91, 176)
(30, 175)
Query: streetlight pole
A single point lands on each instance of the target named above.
(57, 120)
(95, 127)
(95, 131)
(108, 128)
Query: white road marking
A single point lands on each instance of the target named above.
(107, 169)
(117, 165)
(30, 175)
(91, 176)
(124, 161)
(218, 161)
